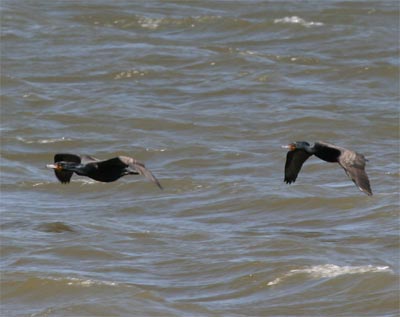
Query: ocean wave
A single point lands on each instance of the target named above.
(74, 281)
(150, 23)
(43, 141)
(297, 20)
(82, 181)
(330, 271)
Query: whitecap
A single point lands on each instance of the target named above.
(297, 20)
(149, 23)
(88, 282)
(74, 281)
(40, 184)
(85, 181)
(330, 271)
(155, 149)
(43, 141)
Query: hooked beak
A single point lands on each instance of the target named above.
(291, 147)
(56, 167)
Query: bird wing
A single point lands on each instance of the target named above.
(133, 166)
(329, 145)
(294, 162)
(66, 157)
(88, 159)
(140, 168)
(354, 165)
(327, 152)
(65, 176)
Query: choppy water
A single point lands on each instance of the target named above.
(204, 92)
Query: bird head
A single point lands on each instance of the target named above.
(297, 145)
(62, 166)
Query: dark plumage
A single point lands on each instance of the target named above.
(352, 162)
(103, 171)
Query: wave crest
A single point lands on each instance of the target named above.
(297, 20)
(331, 270)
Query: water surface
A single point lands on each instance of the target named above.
(205, 93)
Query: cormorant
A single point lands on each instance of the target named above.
(103, 171)
(352, 162)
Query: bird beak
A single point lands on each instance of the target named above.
(291, 147)
(56, 167)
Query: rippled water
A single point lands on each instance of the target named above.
(205, 93)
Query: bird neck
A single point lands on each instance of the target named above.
(74, 167)
(309, 149)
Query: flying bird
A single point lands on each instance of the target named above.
(352, 162)
(103, 171)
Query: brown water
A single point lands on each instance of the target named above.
(205, 93)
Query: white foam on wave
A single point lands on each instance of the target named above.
(331, 270)
(297, 20)
(82, 181)
(42, 141)
(155, 149)
(85, 181)
(149, 23)
(74, 281)
(40, 184)
(88, 282)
